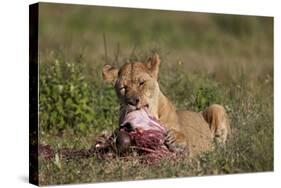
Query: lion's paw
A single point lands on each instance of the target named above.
(175, 141)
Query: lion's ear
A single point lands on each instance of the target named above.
(153, 65)
(109, 74)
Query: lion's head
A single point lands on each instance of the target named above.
(135, 84)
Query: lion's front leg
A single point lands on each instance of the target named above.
(176, 141)
(216, 117)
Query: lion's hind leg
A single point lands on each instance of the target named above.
(216, 117)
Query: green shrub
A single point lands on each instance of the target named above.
(206, 94)
(190, 91)
(65, 97)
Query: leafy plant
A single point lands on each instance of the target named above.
(66, 97)
(208, 93)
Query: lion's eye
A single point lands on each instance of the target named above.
(141, 83)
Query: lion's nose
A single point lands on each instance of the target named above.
(134, 101)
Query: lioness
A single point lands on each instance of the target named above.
(137, 87)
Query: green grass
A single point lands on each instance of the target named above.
(206, 59)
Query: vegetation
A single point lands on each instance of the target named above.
(206, 58)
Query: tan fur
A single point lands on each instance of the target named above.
(136, 86)
(217, 119)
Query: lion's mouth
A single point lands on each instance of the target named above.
(131, 108)
(146, 106)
